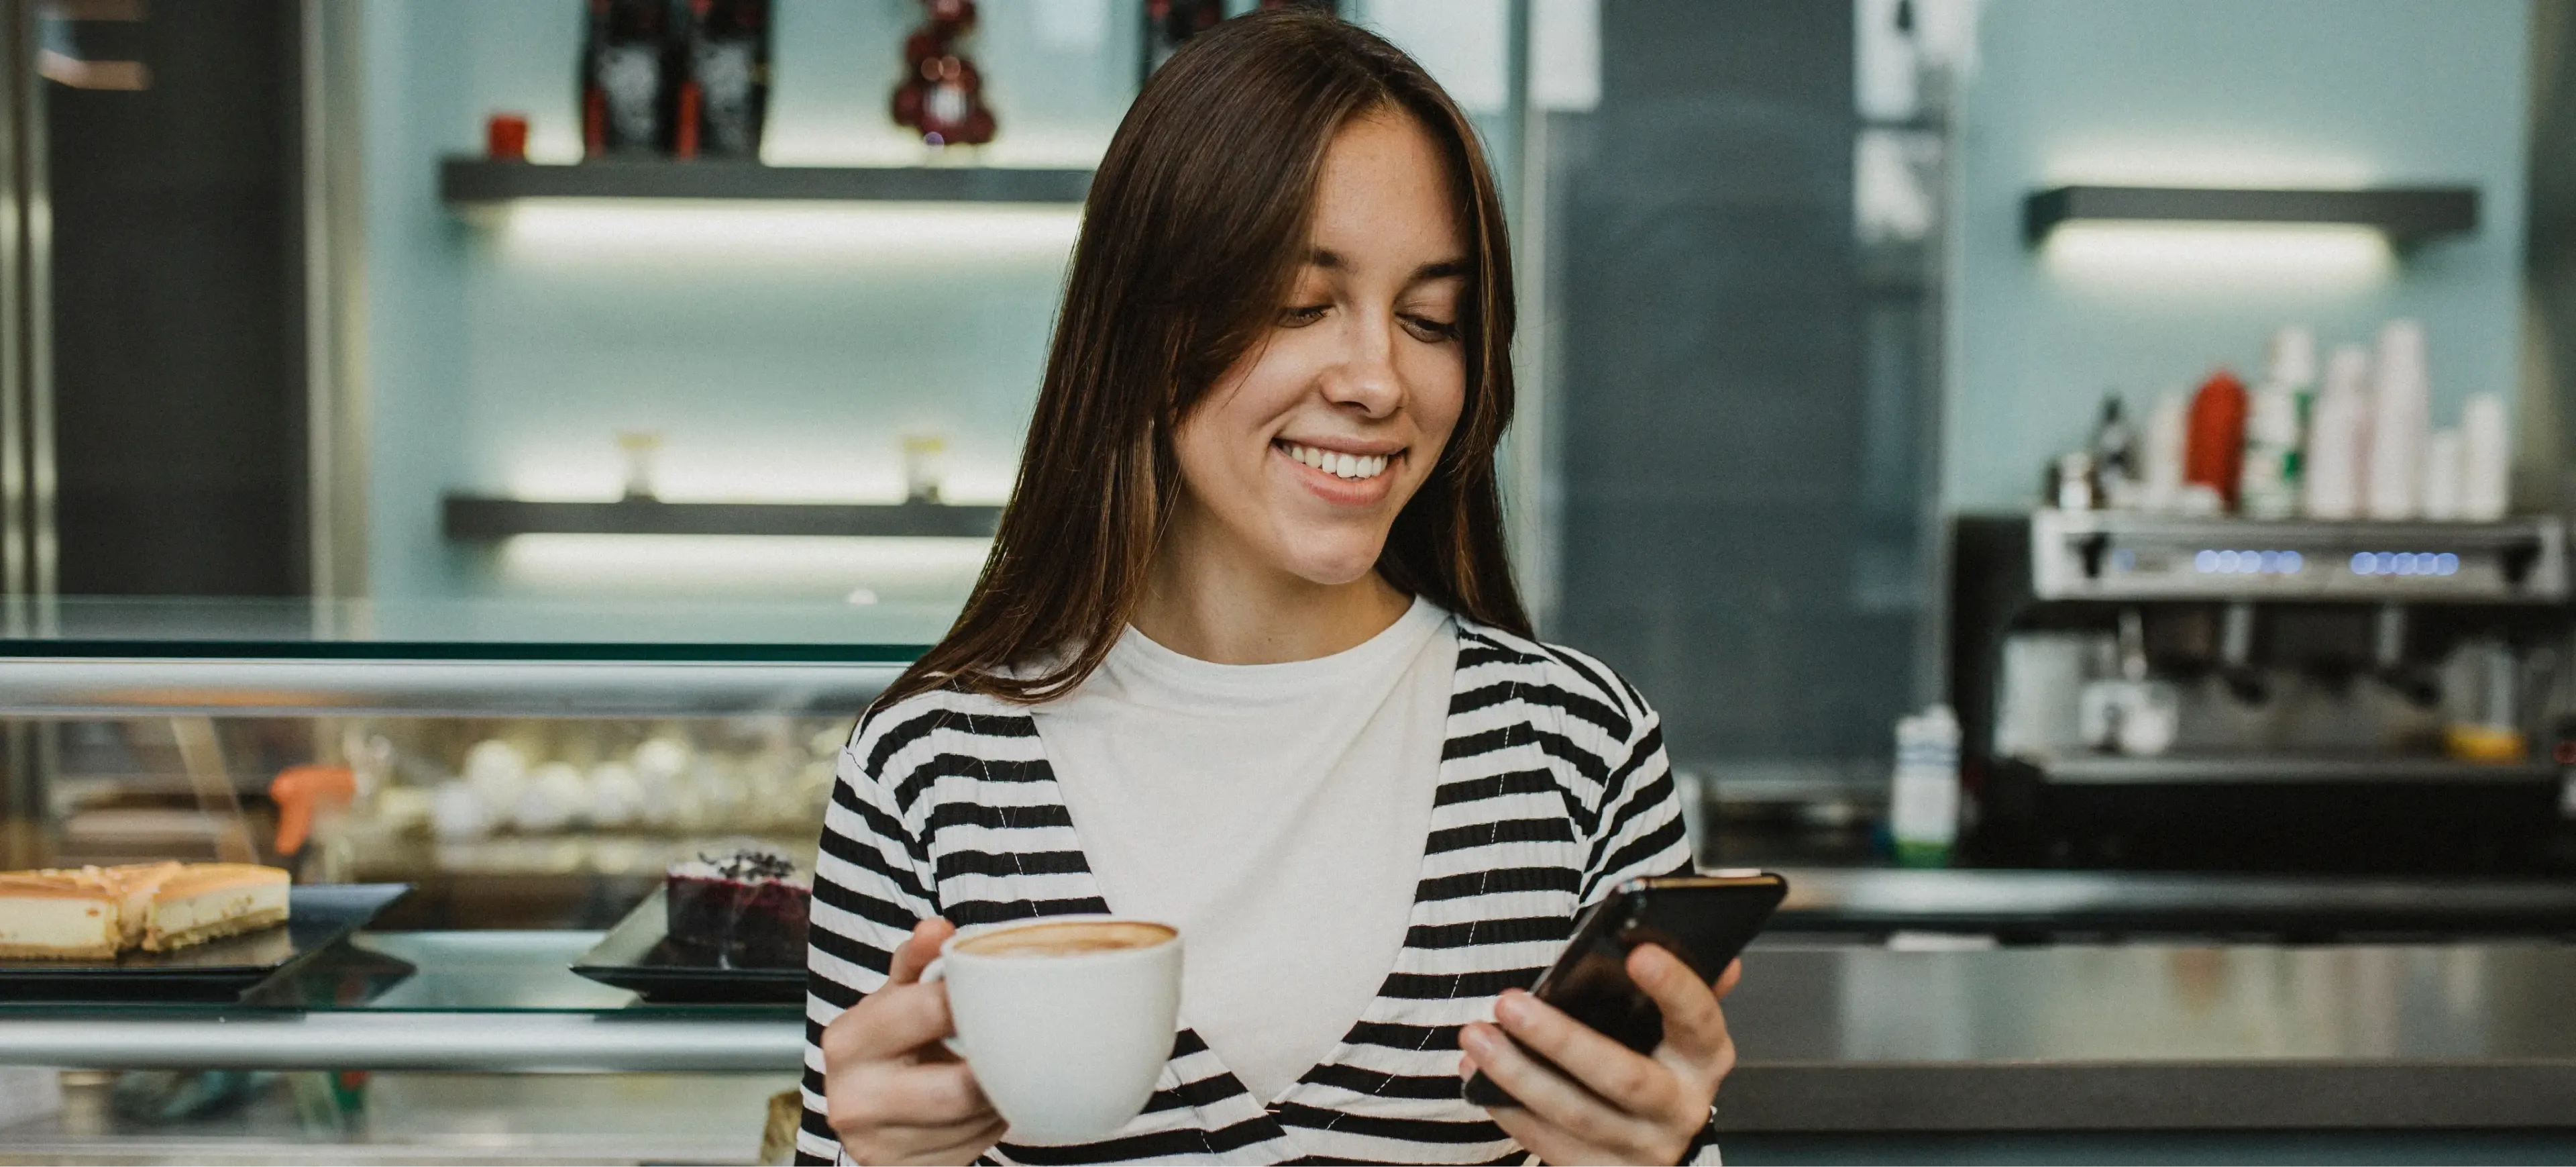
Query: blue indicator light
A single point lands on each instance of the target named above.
(2363, 564)
(2291, 562)
(2446, 564)
(2384, 563)
(2124, 560)
(2205, 562)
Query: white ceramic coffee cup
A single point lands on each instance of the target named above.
(1067, 1045)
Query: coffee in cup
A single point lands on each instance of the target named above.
(1067, 1021)
(1067, 938)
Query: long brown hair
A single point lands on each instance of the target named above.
(1194, 228)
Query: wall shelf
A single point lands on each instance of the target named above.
(2406, 214)
(469, 181)
(474, 518)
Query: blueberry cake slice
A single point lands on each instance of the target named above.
(745, 908)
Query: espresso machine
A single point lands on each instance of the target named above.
(2158, 692)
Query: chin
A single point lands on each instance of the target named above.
(1334, 562)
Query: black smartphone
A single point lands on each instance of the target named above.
(1706, 920)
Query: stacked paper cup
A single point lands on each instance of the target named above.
(2400, 417)
(2338, 455)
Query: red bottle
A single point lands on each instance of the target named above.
(2215, 452)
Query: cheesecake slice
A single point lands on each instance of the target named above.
(94, 913)
(208, 901)
(134, 884)
(60, 915)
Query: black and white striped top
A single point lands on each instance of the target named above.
(1553, 788)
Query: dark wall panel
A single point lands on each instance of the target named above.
(1713, 397)
(177, 312)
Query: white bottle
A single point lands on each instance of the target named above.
(2400, 422)
(2334, 472)
(2168, 433)
(2485, 459)
(2267, 486)
(1923, 806)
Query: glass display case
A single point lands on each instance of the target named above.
(528, 770)
(521, 767)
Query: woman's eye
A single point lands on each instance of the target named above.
(1431, 331)
(1301, 317)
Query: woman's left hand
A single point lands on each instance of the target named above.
(1609, 1104)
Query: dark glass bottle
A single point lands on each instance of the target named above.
(2115, 443)
(628, 79)
(725, 100)
(1170, 23)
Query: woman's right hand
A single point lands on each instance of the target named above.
(892, 1092)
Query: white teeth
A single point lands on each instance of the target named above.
(1351, 466)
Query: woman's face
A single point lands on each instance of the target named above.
(1302, 453)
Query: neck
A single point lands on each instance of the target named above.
(1210, 598)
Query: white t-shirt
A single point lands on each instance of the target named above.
(1276, 814)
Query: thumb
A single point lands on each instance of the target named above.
(918, 950)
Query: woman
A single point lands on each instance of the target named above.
(1246, 658)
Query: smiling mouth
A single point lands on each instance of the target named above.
(1354, 467)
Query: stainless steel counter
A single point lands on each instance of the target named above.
(2034, 904)
(1835, 1038)
(2136, 1037)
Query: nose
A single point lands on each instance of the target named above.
(1365, 378)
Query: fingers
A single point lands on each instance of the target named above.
(1694, 1026)
(1624, 1139)
(918, 950)
(944, 1142)
(935, 1095)
(910, 1112)
(1545, 1140)
(893, 1094)
(1726, 980)
(891, 1022)
(902, 1015)
(932, 1094)
(1534, 1086)
(1631, 1080)
(961, 1143)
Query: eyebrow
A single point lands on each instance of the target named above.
(1331, 260)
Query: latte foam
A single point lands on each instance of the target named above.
(1068, 938)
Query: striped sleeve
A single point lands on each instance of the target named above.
(871, 885)
(1637, 830)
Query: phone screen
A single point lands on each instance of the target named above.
(1706, 920)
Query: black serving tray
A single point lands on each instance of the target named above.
(218, 971)
(638, 954)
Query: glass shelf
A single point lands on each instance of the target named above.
(515, 658)
(453, 1001)
(468, 181)
(484, 628)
